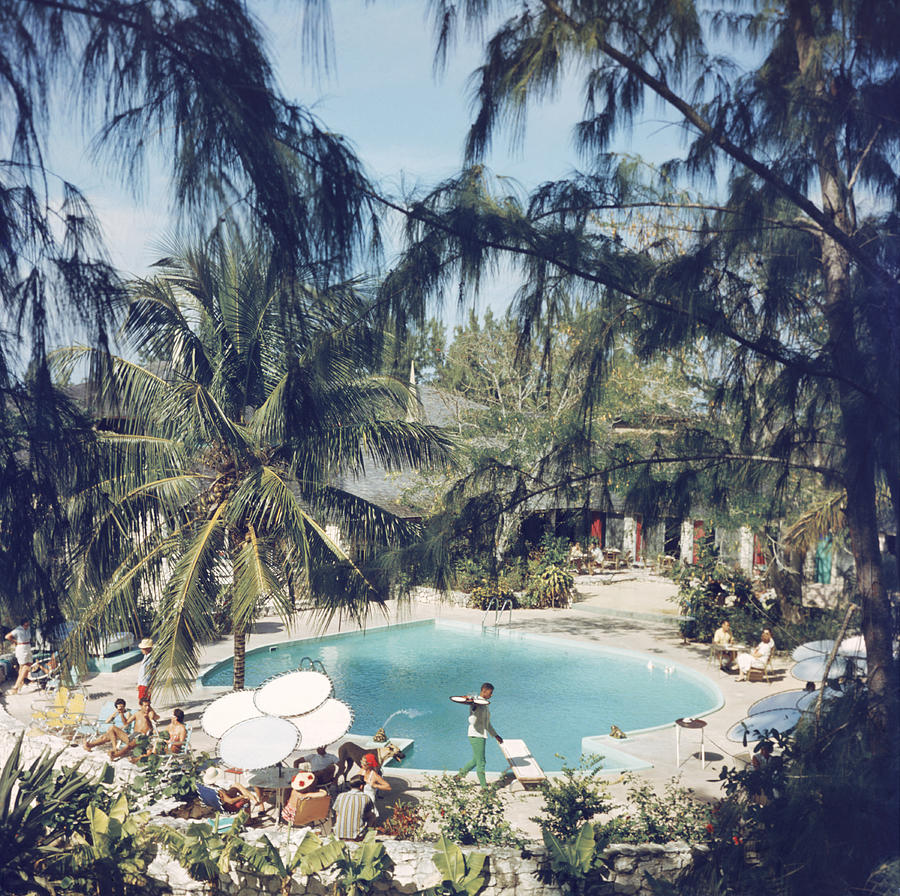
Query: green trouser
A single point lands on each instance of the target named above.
(477, 760)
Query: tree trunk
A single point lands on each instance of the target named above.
(240, 653)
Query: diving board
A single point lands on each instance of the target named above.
(524, 766)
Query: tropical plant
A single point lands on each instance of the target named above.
(112, 856)
(35, 821)
(310, 857)
(492, 594)
(162, 776)
(360, 870)
(206, 854)
(461, 875)
(575, 863)
(573, 797)
(467, 813)
(551, 586)
(223, 469)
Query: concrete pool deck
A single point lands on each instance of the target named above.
(633, 612)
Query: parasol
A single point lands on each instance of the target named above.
(228, 710)
(759, 726)
(323, 725)
(807, 703)
(293, 693)
(258, 743)
(781, 700)
(813, 668)
(812, 650)
(854, 646)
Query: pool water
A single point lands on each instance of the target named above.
(550, 692)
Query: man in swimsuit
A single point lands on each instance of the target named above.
(143, 726)
(479, 728)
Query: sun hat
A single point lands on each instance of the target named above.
(302, 780)
(213, 776)
(146, 644)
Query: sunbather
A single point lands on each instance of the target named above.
(143, 722)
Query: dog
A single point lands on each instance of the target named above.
(350, 754)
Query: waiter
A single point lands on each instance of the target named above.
(145, 670)
(21, 637)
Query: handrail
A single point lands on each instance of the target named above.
(494, 604)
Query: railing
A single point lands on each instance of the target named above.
(499, 609)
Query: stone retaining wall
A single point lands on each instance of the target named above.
(511, 871)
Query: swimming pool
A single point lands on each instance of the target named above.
(550, 691)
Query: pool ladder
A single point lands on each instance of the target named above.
(499, 609)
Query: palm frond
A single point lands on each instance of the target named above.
(826, 518)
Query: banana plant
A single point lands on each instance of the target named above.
(206, 854)
(360, 869)
(573, 862)
(312, 856)
(112, 857)
(459, 876)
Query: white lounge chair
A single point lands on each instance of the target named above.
(524, 766)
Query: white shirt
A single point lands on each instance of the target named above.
(22, 635)
(144, 672)
(317, 762)
(480, 721)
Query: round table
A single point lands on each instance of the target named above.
(692, 725)
(275, 777)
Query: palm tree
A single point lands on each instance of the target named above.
(255, 391)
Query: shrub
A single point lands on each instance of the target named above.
(551, 586)
(648, 817)
(468, 813)
(492, 594)
(161, 776)
(406, 822)
(573, 798)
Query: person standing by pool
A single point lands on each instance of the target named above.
(21, 637)
(479, 728)
(145, 671)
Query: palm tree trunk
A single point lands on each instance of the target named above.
(240, 653)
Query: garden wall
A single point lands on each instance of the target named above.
(511, 871)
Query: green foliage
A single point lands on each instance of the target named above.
(460, 875)
(468, 813)
(575, 862)
(552, 586)
(818, 818)
(710, 591)
(470, 571)
(361, 869)
(648, 817)
(311, 856)
(493, 593)
(32, 798)
(112, 857)
(204, 853)
(163, 775)
(573, 797)
(405, 823)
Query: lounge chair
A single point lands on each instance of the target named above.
(45, 713)
(524, 766)
(314, 810)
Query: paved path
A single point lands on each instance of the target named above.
(632, 612)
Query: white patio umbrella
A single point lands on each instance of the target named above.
(854, 646)
(324, 725)
(228, 710)
(814, 668)
(759, 726)
(807, 703)
(781, 700)
(293, 693)
(811, 650)
(258, 743)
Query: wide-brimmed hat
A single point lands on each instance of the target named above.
(146, 644)
(302, 780)
(214, 776)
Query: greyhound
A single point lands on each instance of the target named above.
(350, 754)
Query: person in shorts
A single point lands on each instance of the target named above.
(21, 637)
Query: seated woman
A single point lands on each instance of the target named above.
(372, 778)
(758, 657)
(300, 793)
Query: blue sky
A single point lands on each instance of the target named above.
(406, 125)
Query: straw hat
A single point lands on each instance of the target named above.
(302, 780)
(146, 644)
(214, 776)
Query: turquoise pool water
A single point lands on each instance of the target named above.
(550, 692)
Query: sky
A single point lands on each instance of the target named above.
(406, 124)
